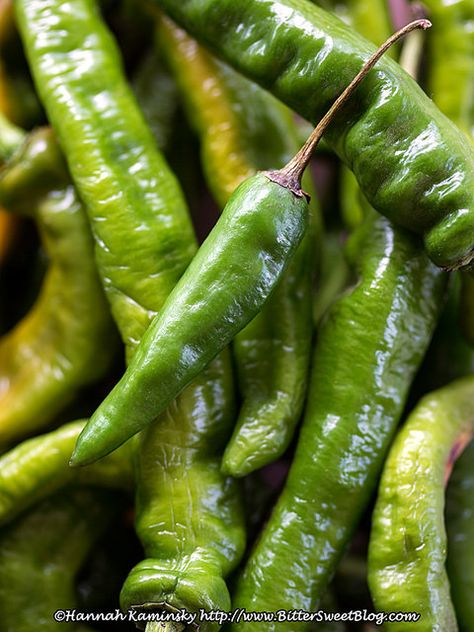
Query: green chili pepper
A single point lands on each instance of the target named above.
(367, 352)
(66, 340)
(129, 192)
(451, 46)
(41, 554)
(411, 163)
(460, 532)
(188, 514)
(224, 287)
(234, 119)
(407, 551)
(38, 467)
(143, 267)
(371, 19)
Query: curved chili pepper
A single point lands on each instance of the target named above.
(407, 550)
(451, 45)
(188, 514)
(66, 340)
(460, 532)
(234, 119)
(38, 467)
(224, 287)
(368, 349)
(139, 272)
(129, 192)
(411, 163)
(41, 554)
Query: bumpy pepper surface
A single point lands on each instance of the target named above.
(243, 129)
(368, 349)
(41, 554)
(188, 514)
(224, 287)
(411, 163)
(39, 467)
(129, 192)
(144, 242)
(460, 532)
(407, 552)
(66, 339)
(451, 45)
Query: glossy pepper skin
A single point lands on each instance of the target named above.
(129, 192)
(411, 163)
(66, 341)
(224, 287)
(460, 532)
(41, 554)
(145, 241)
(243, 129)
(187, 520)
(39, 467)
(407, 552)
(451, 45)
(367, 352)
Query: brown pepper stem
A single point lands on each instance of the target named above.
(290, 175)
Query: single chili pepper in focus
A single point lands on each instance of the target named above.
(460, 532)
(39, 467)
(411, 163)
(66, 341)
(368, 349)
(224, 287)
(129, 192)
(41, 554)
(407, 552)
(243, 129)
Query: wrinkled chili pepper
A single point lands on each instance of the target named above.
(39, 467)
(411, 163)
(244, 129)
(41, 553)
(224, 287)
(407, 551)
(368, 349)
(66, 340)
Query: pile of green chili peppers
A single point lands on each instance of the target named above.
(236, 365)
